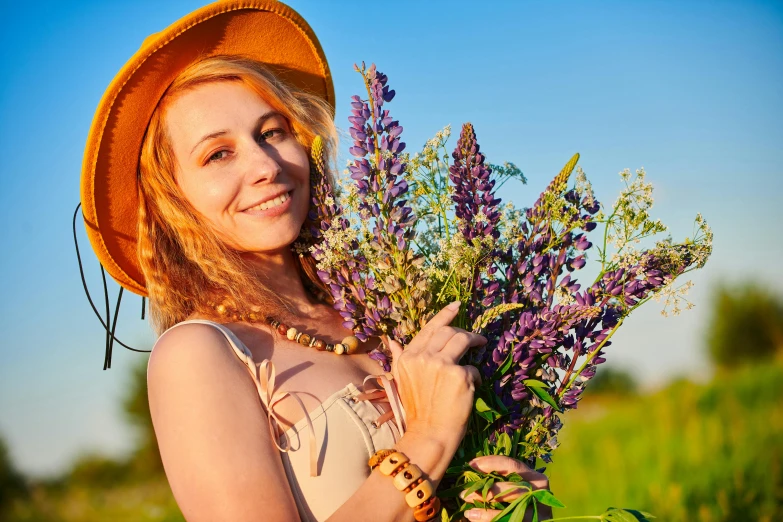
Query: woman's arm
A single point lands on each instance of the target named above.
(437, 394)
(214, 437)
(212, 431)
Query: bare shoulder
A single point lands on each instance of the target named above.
(212, 431)
(190, 347)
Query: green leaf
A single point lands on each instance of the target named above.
(499, 404)
(540, 391)
(625, 515)
(481, 405)
(471, 476)
(487, 416)
(475, 486)
(515, 444)
(547, 498)
(503, 368)
(504, 443)
(484, 411)
(485, 490)
(444, 515)
(504, 515)
(519, 512)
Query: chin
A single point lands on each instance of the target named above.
(269, 239)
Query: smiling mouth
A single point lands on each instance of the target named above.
(272, 203)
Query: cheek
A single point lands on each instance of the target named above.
(207, 196)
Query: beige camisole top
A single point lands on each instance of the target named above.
(325, 470)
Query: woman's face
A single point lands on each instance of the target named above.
(239, 165)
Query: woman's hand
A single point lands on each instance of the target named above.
(500, 490)
(437, 392)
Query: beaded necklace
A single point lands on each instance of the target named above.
(348, 346)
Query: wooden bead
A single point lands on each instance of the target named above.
(379, 457)
(392, 462)
(291, 334)
(428, 510)
(407, 476)
(351, 344)
(339, 349)
(419, 494)
(319, 345)
(282, 329)
(305, 340)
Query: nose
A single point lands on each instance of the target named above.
(263, 164)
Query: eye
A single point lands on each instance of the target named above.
(217, 156)
(271, 134)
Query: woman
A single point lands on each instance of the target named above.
(195, 187)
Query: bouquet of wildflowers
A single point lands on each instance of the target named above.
(407, 234)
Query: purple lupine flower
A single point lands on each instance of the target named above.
(473, 188)
(478, 212)
(378, 172)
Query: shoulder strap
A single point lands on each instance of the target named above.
(238, 346)
(263, 375)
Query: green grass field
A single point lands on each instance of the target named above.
(686, 453)
(689, 452)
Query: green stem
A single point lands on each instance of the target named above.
(590, 357)
(584, 517)
(603, 251)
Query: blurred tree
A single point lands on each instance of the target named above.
(12, 484)
(146, 458)
(746, 325)
(611, 381)
(97, 470)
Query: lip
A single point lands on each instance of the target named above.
(270, 198)
(274, 211)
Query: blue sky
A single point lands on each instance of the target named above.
(690, 90)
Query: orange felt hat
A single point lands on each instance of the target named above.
(264, 30)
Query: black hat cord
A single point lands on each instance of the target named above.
(110, 337)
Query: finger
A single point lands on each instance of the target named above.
(500, 492)
(442, 318)
(395, 348)
(486, 515)
(450, 334)
(460, 342)
(505, 465)
(481, 515)
(475, 374)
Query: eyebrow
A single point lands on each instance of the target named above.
(213, 135)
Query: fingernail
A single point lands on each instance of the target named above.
(472, 463)
(472, 514)
(454, 306)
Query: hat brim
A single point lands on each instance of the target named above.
(264, 30)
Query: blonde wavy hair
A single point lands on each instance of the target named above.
(187, 267)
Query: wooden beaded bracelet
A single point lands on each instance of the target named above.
(409, 479)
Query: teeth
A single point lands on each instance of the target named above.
(279, 200)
